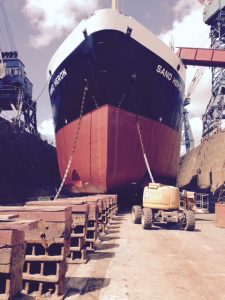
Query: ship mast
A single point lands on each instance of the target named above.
(115, 4)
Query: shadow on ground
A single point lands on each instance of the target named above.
(117, 223)
(101, 255)
(91, 285)
(170, 226)
(113, 227)
(204, 220)
(106, 238)
(107, 246)
(113, 231)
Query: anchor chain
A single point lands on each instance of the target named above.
(133, 77)
(75, 141)
(143, 149)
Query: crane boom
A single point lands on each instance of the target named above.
(7, 38)
(198, 75)
(115, 4)
(205, 2)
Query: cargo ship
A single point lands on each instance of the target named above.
(110, 75)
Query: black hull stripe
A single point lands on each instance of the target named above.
(120, 72)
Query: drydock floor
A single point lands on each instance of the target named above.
(136, 264)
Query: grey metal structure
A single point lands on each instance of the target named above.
(15, 86)
(214, 16)
(16, 93)
(187, 138)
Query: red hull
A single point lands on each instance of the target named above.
(108, 155)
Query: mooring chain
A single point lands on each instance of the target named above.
(75, 141)
(143, 150)
(141, 138)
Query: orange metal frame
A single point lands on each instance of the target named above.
(202, 57)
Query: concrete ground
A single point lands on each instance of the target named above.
(136, 264)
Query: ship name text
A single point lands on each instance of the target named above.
(169, 76)
(57, 80)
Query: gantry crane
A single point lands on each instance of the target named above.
(214, 16)
(15, 87)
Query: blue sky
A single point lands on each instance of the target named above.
(39, 27)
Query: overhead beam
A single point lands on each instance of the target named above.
(202, 57)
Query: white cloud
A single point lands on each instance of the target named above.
(184, 8)
(53, 18)
(47, 128)
(189, 30)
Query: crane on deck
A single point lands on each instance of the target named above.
(15, 87)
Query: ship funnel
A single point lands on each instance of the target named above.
(115, 4)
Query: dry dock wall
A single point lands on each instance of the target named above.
(203, 168)
(28, 165)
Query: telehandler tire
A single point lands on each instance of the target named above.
(146, 219)
(189, 223)
(136, 214)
